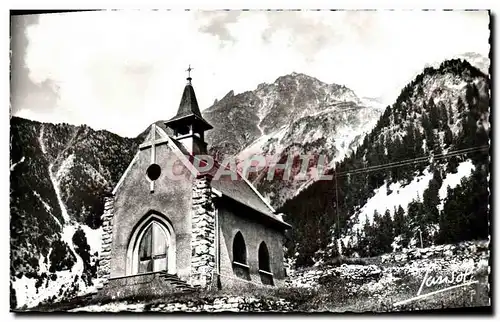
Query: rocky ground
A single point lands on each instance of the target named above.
(349, 285)
(197, 304)
(377, 284)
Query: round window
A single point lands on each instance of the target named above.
(153, 172)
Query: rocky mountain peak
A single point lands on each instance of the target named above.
(296, 112)
(227, 96)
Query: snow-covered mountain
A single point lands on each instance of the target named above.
(423, 168)
(477, 60)
(297, 114)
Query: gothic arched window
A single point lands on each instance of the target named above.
(264, 265)
(264, 258)
(239, 249)
(240, 267)
(153, 249)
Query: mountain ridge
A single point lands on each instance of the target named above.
(441, 110)
(293, 116)
(64, 168)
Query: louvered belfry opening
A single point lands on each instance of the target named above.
(153, 249)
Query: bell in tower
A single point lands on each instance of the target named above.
(188, 125)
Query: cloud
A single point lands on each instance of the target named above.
(314, 31)
(24, 91)
(217, 23)
(123, 70)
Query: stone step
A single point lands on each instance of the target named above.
(176, 282)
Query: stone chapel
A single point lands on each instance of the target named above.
(162, 235)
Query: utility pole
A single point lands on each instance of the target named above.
(421, 242)
(337, 203)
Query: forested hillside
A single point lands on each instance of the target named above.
(58, 176)
(420, 177)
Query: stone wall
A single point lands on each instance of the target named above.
(227, 304)
(349, 272)
(107, 232)
(217, 304)
(464, 250)
(144, 285)
(409, 262)
(203, 233)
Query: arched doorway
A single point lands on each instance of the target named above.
(152, 246)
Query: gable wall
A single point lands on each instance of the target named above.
(133, 200)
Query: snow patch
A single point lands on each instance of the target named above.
(40, 140)
(45, 204)
(26, 292)
(452, 180)
(400, 196)
(111, 307)
(257, 147)
(65, 166)
(93, 238)
(14, 165)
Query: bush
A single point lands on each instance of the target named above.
(13, 298)
(61, 257)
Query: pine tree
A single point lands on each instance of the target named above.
(366, 243)
(471, 95)
(438, 177)
(417, 216)
(333, 251)
(460, 106)
(450, 115)
(443, 116)
(399, 221)
(468, 133)
(426, 124)
(449, 229)
(433, 114)
(386, 232)
(448, 136)
(453, 163)
(430, 140)
(465, 214)
(431, 200)
(479, 204)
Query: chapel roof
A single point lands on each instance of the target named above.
(189, 109)
(239, 190)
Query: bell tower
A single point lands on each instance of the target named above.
(188, 125)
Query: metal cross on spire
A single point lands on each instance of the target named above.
(189, 73)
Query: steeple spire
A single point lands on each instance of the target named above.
(188, 124)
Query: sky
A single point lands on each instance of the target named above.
(122, 70)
